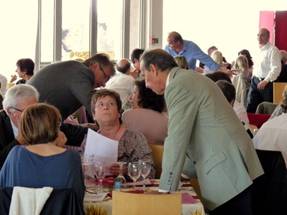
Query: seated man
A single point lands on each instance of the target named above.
(229, 92)
(16, 100)
(272, 135)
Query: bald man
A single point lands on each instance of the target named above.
(266, 70)
(179, 47)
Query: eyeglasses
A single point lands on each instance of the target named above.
(101, 104)
(17, 109)
(106, 77)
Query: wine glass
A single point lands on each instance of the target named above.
(145, 171)
(100, 174)
(87, 167)
(134, 171)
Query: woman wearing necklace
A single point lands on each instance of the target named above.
(106, 107)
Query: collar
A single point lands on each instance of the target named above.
(15, 129)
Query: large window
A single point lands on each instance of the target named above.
(110, 13)
(46, 35)
(75, 29)
(18, 21)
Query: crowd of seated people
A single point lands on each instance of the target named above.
(148, 114)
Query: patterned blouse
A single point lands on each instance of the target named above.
(133, 146)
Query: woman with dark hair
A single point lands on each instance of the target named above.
(40, 161)
(25, 70)
(147, 114)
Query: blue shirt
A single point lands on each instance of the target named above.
(27, 169)
(192, 52)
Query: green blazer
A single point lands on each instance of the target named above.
(206, 137)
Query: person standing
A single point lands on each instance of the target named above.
(267, 69)
(68, 85)
(179, 47)
(204, 138)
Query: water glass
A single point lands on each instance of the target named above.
(134, 171)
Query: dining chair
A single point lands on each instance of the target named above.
(124, 203)
(157, 152)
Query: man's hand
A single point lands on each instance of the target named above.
(262, 84)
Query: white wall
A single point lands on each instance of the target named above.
(231, 25)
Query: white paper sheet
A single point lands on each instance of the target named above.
(103, 149)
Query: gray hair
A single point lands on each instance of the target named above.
(17, 93)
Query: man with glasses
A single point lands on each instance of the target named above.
(16, 100)
(179, 47)
(68, 85)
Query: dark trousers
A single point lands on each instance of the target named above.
(255, 96)
(239, 205)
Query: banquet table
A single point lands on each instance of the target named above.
(191, 205)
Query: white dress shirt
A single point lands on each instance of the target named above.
(272, 136)
(267, 63)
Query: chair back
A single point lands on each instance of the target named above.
(257, 119)
(145, 204)
(60, 201)
(278, 88)
(157, 152)
(270, 189)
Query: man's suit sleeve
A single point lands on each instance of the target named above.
(74, 133)
(182, 108)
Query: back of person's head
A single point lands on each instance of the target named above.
(19, 93)
(158, 57)
(136, 54)
(246, 53)
(40, 123)
(217, 57)
(26, 65)
(228, 90)
(211, 49)
(216, 76)
(241, 63)
(101, 58)
(123, 66)
(181, 62)
(149, 99)
(175, 36)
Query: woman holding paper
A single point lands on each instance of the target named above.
(106, 108)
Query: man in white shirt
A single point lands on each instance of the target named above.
(122, 82)
(267, 69)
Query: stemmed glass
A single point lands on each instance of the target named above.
(120, 177)
(145, 171)
(100, 174)
(134, 171)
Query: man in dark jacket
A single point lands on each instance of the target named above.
(16, 100)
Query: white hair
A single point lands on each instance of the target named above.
(18, 93)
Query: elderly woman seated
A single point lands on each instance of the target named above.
(39, 161)
(106, 108)
(148, 114)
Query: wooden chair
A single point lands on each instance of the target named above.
(145, 204)
(278, 88)
(157, 152)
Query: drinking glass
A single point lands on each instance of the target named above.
(145, 171)
(134, 171)
(87, 167)
(100, 175)
(121, 177)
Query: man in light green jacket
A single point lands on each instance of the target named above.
(204, 136)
